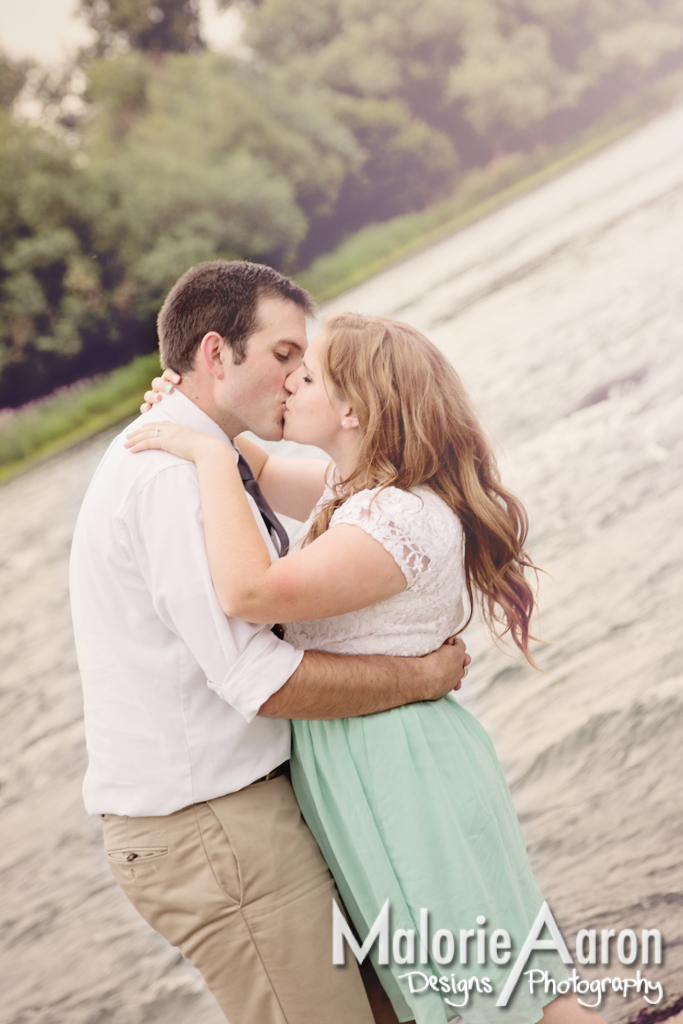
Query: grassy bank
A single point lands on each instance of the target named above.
(54, 423)
(72, 414)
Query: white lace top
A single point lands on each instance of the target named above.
(427, 542)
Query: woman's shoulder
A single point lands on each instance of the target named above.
(418, 514)
(382, 498)
(387, 500)
(417, 527)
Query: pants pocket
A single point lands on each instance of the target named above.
(137, 853)
(220, 854)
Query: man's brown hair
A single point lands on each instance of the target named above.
(221, 296)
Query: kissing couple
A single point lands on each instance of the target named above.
(179, 569)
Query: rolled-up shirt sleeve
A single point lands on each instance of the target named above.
(243, 663)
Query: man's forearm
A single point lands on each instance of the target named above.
(344, 686)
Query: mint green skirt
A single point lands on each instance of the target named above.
(411, 805)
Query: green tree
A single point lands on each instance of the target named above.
(12, 78)
(406, 164)
(200, 157)
(166, 26)
(52, 302)
(491, 74)
(347, 112)
(205, 156)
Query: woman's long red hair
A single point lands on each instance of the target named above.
(417, 426)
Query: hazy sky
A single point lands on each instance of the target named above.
(49, 30)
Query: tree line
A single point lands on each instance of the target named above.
(151, 153)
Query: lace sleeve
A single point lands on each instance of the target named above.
(398, 520)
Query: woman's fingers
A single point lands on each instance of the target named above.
(171, 437)
(155, 394)
(161, 386)
(145, 437)
(150, 398)
(165, 383)
(149, 436)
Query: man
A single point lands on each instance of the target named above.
(185, 710)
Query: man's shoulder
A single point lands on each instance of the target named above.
(122, 476)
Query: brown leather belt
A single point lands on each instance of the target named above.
(282, 769)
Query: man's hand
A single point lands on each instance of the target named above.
(446, 668)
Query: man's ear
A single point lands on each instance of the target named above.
(213, 351)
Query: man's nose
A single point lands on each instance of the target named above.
(291, 382)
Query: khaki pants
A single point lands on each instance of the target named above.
(240, 886)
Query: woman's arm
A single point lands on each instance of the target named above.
(291, 487)
(341, 571)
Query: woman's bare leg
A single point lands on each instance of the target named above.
(568, 1010)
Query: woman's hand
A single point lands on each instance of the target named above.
(182, 441)
(160, 386)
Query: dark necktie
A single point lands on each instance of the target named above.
(269, 518)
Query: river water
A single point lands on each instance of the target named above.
(563, 312)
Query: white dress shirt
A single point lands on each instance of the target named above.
(171, 686)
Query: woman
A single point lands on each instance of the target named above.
(409, 805)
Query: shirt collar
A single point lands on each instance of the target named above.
(181, 409)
